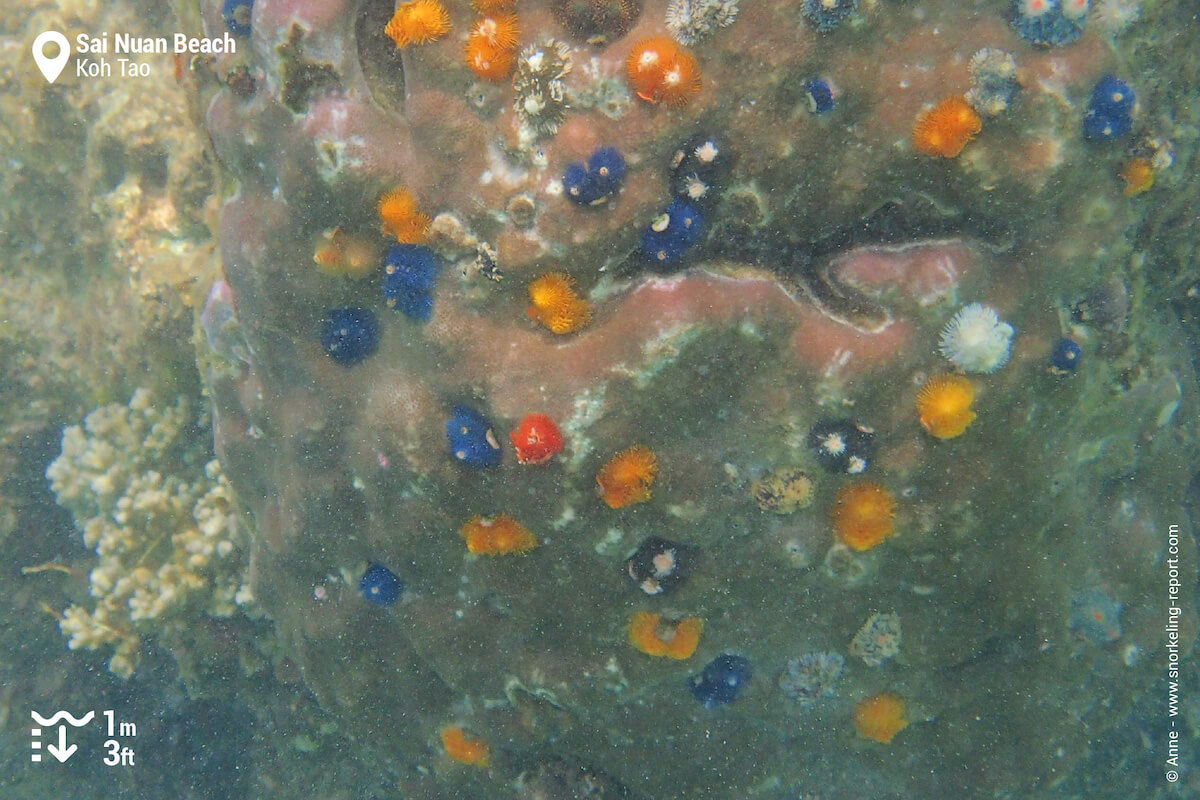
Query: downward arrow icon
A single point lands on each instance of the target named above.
(62, 752)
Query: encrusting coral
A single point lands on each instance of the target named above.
(161, 521)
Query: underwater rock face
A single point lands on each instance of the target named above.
(822, 281)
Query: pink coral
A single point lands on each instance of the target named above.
(925, 273)
(511, 358)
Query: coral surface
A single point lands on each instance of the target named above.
(824, 257)
(163, 527)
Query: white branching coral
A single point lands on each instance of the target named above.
(161, 521)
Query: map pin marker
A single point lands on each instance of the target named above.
(51, 67)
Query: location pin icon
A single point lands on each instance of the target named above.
(51, 67)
